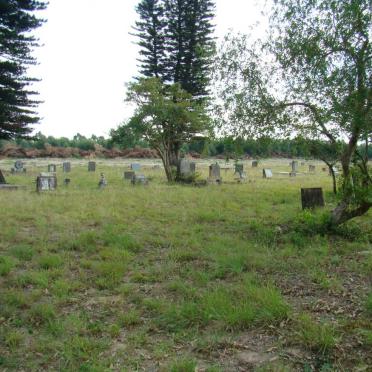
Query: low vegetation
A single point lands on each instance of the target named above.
(173, 278)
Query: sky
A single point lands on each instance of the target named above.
(87, 55)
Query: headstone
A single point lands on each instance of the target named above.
(186, 168)
(292, 174)
(239, 168)
(2, 178)
(215, 173)
(66, 166)
(46, 182)
(92, 166)
(254, 164)
(312, 197)
(139, 179)
(52, 168)
(135, 167)
(312, 168)
(67, 181)
(294, 165)
(102, 182)
(129, 175)
(18, 167)
(267, 173)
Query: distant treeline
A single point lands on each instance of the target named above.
(261, 148)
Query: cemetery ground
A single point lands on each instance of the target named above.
(231, 277)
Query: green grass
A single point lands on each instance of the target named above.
(177, 277)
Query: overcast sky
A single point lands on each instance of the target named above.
(88, 55)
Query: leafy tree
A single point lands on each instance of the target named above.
(166, 117)
(16, 43)
(312, 76)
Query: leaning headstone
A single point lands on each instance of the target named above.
(267, 173)
(66, 166)
(139, 179)
(2, 178)
(135, 167)
(92, 166)
(102, 182)
(215, 173)
(46, 182)
(18, 167)
(52, 168)
(312, 197)
(239, 168)
(312, 168)
(129, 175)
(254, 164)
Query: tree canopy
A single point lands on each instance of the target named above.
(17, 108)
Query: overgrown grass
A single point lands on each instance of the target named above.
(177, 277)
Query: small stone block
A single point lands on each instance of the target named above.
(312, 197)
(267, 173)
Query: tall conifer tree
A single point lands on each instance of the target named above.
(17, 109)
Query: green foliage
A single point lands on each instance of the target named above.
(183, 365)
(6, 265)
(368, 305)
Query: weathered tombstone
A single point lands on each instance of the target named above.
(186, 168)
(254, 164)
(312, 197)
(129, 175)
(215, 173)
(294, 165)
(102, 182)
(135, 167)
(52, 168)
(267, 173)
(46, 182)
(239, 168)
(2, 178)
(18, 167)
(92, 166)
(312, 168)
(66, 166)
(139, 179)
(67, 181)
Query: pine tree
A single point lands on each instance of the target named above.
(176, 42)
(16, 44)
(150, 30)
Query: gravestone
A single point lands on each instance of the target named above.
(46, 182)
(102, 182)
(186, 168)
(52, 168)
(254, 164)
(135, 167)
(312, 197)
(92, 166)
(139, 179)
(215, 173)
(18, 167)
(267, 173)
(294, 165)
(129, 175)
(312, 168)
(2, 178)
(239, 168)
(66, 167)
(67, 181)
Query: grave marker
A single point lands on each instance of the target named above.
(46, 182)
(18, 167)
(267, 173)
(129, 175)
(92, 166)
(186, 168)
(66, 166)
(67, 181)
(215, 173)
(312, 197)
(239, 168)
(102, 182)
(294, 165)
(254, 164)
(52, 168)
(2, 178)
(139, 179)
(135, 167)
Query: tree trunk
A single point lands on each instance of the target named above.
(332, 172)
(343, 213)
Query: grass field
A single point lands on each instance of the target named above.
(173, 278)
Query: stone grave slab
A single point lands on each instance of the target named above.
(254, 164)
(129, 175)
(139, 179)
(18, 167)
(92, 166)
(267, 173)
(102, 182)
(312, 197)
(46, 182)
(52, 168)
(294, 165)
(135, 167)
(186, 168)
(215, 173)
(66, 166)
